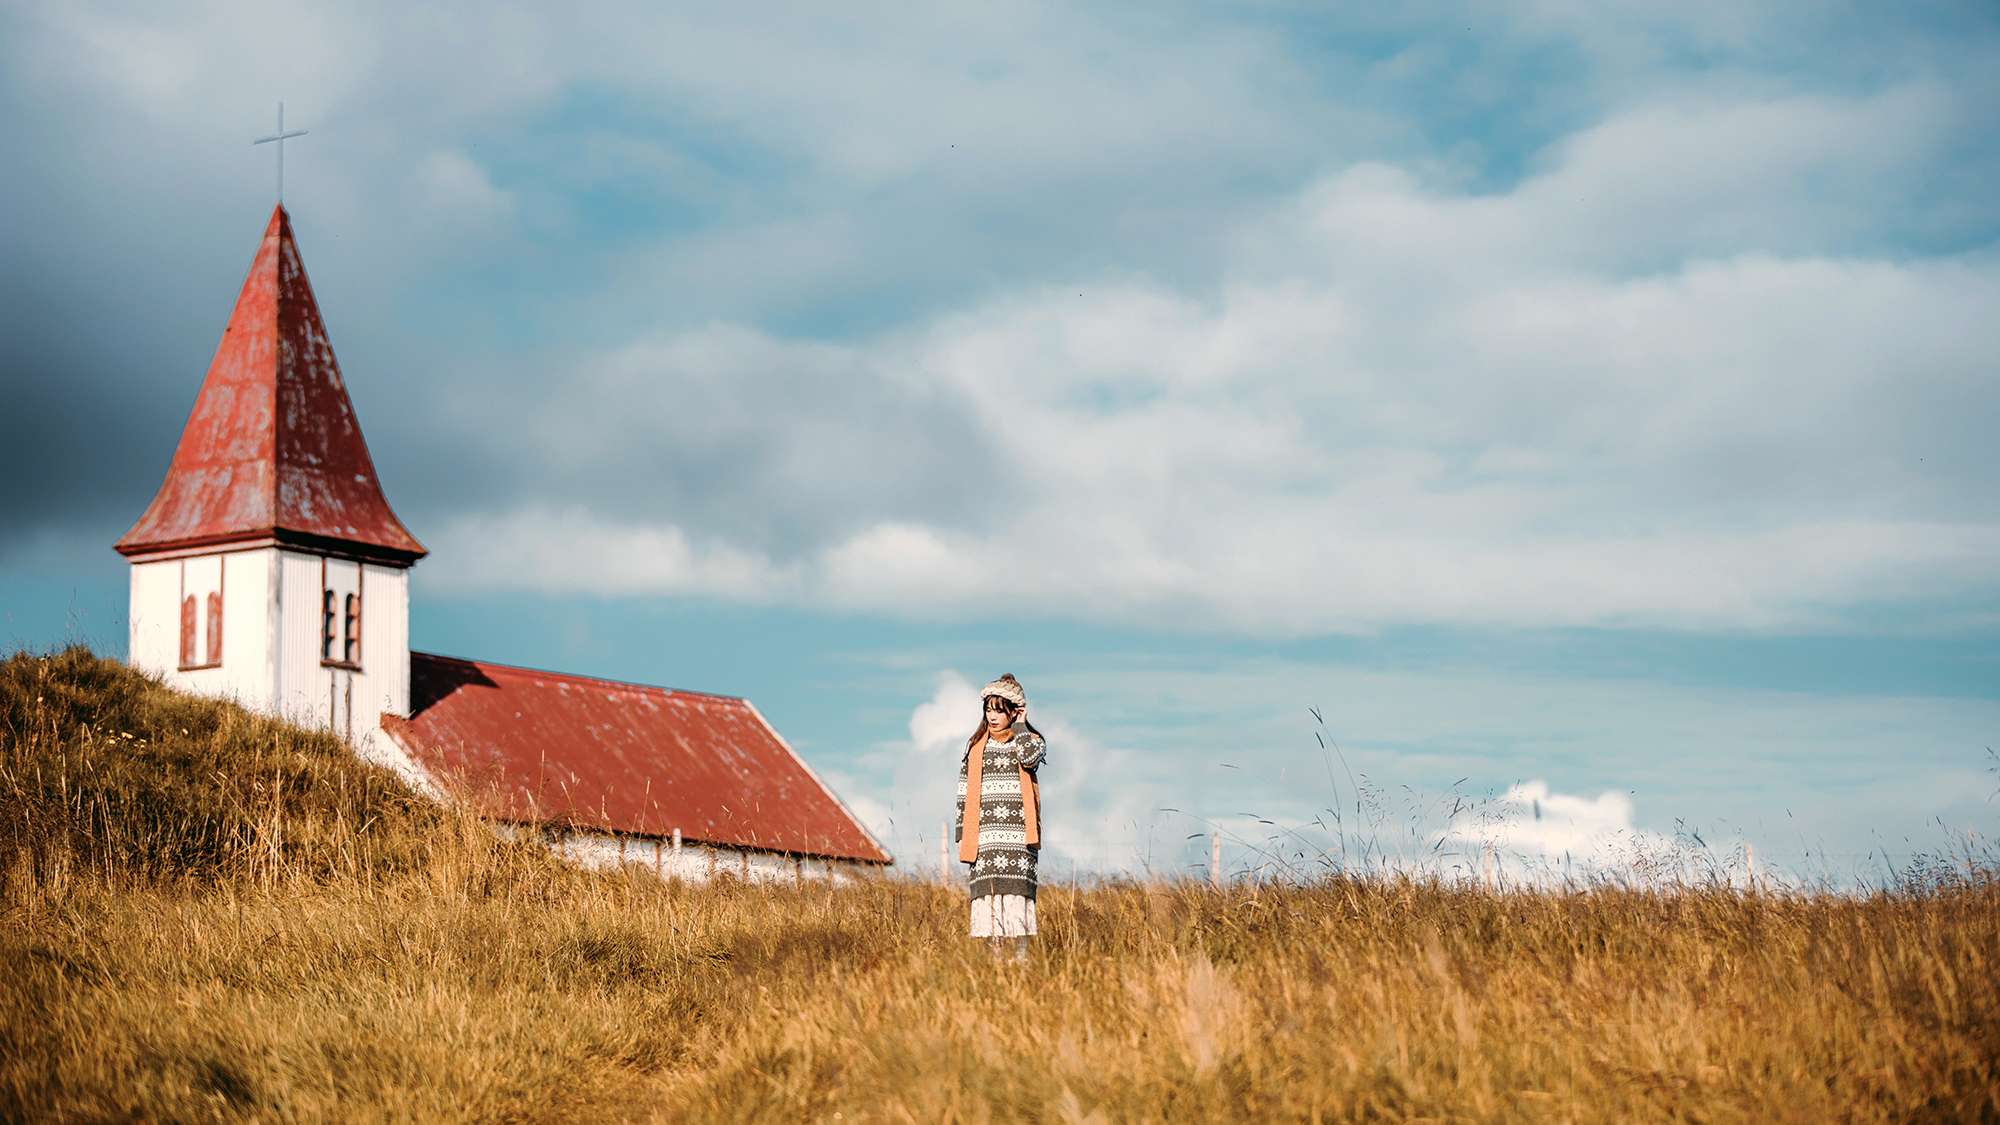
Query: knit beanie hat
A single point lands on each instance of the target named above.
(1007, 688)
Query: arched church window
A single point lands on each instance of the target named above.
(350, 647)
(187, 631)
(326, 618)
(201, 612)
(215, 627)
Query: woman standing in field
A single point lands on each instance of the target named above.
(999, 828)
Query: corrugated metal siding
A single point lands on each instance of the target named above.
(302, 687)
(385, 640)
(245, 655)
(274, 632)
(271, 638)
(543, 747)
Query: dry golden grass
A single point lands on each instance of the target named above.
(353, 955)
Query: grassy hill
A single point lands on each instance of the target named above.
(210, 916)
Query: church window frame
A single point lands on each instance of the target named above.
(192, 658)
(340, 620)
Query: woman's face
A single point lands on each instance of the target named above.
(999, 716)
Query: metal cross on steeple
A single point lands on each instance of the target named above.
(280, 136)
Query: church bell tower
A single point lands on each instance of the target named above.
(270, 568)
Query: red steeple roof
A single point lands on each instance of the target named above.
(272, 452)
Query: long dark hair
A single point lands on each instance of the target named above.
(1014, 711)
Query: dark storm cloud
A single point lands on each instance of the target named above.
(93, 395)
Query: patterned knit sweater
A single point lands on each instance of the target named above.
(1006, 865)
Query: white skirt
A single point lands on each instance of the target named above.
(1003, 916)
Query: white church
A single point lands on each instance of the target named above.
(271, 570)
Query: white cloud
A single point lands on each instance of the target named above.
(1531, 833)
(1643, 191)
(570, 550)
(944, 723)
(1732, 443)
(1530, 821)
(1625, 392)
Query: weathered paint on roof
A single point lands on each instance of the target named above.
(272, 451)
(542, 747)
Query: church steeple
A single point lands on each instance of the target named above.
(272, 453)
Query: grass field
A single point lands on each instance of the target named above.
(209, 916)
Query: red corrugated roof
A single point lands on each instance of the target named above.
(273, 450)
(542, 747)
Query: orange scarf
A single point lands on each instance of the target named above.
(1031, 804)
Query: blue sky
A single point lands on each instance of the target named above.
(1588, 407)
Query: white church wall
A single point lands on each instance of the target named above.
(387, 640)
(153, 617)
(692, 862)
(302, 687)
(239, 667)
(246, 636)
(201, 632)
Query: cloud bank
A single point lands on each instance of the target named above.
(1263, 322)
(1622, 393)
